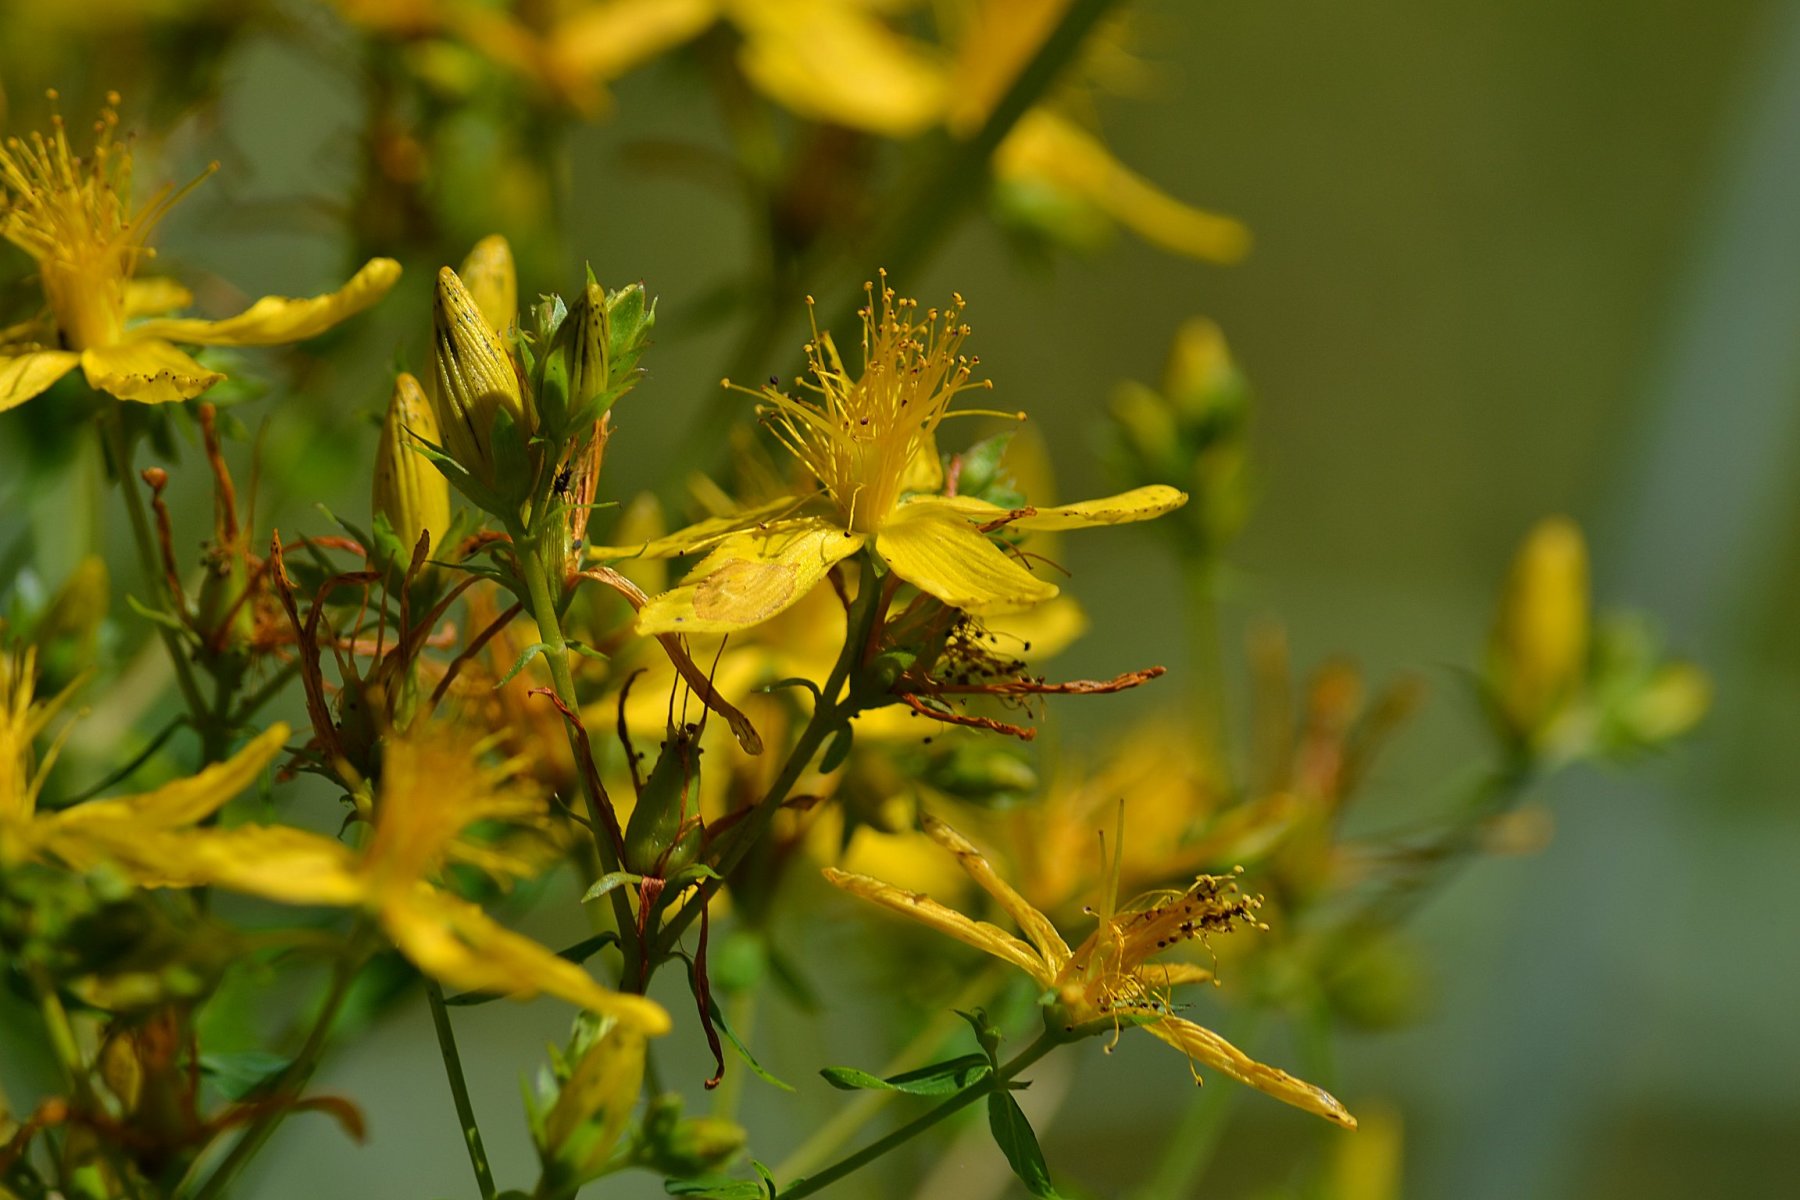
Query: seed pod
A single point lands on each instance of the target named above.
(1539, 652)
(474, 378)
(663, 835)
(492, 281)
(409, 491)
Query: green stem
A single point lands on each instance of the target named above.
(829, 714)
(1441, 859)
(1201, 579)
(459, 1089)
(859, 1112)
(961, 171)
(945, 187)
(118, 448)
(541, 606)
(298, 1072)
(874, 1150)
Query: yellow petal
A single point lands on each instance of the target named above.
(1162, 976)
(1044, 148)
(455, 942)
(749, 578)
(939, 552)
(990, 939)
(699, 536)
(154, 296)
(185, 801)
(147, 370)
(277, 319)
(26, 375)
(603, 41)
(275, 862)
(1139, 504)
(493, 281)
(1198, 1042)
(1035, 924)
(828, 61)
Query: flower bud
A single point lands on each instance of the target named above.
(492, 281)
(663, 834)
(687, 1148)
(475, 380)
(1670, 703)
(409, 491)
(596, 1087)
(588, 334)
(1539, 651)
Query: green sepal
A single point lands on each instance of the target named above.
(985, 1033)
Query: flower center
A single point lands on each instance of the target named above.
(72, 213)
(860, 435)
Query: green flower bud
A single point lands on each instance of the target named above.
(663, 834)
(474, 381)
(686, 1148)
(584, 339)
(596, 1087)
(409, 491)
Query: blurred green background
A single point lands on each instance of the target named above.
(1511, 259)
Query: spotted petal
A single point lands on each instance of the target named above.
(277, 319)
(699, 536)
(1139, 504)
(938, 551)
(147, 370)
(1202, 1044)
(990, 939)
(749, 577)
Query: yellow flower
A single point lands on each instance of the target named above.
(1109, 978)
(432, 788)
(869, 440)
(1046, 149)
(73, 215)
(121, 830)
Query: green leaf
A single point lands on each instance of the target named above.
(838, 750)
(242, 1072)
(1012, 1133)
(938, 1079)
(531, 652)
(724, 1027)
(608, 882)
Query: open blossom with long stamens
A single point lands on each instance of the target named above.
(434, 787)
(73, 215)
(1109, 979)
(869, 439)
